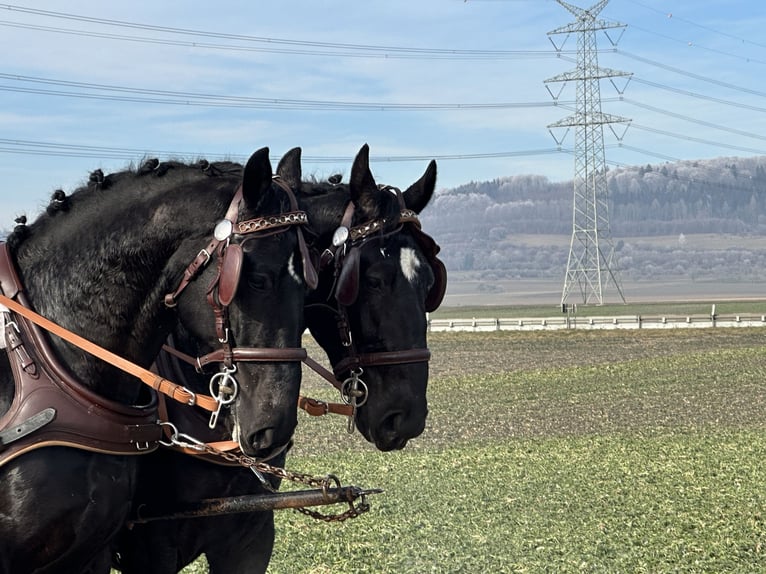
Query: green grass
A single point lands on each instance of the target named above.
(659, 503)
(607, 451)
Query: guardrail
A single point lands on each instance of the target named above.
(618, 322)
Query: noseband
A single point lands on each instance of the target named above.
(223, 288)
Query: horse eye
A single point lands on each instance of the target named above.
(374, 282)
(259, 281)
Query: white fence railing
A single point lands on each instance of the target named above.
(618, 322)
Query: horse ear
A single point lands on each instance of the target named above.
(289, 168)
(419, 193)
(364, 191)
(256, 179)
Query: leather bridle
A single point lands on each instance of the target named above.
(345, 255)
(222, 289)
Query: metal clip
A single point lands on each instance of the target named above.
(181, 439)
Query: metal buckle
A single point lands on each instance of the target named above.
(206, 253)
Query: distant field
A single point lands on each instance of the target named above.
(470, 290)
(564, 452)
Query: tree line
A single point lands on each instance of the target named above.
(485, 225)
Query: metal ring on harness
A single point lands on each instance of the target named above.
(354, 392)
(226, 392)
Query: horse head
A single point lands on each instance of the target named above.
(253, 327)
(386, 277)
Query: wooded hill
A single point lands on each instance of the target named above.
(520, 226)
(699, 219)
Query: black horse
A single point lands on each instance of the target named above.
(381, 258)
(110, 262)
(369, 312)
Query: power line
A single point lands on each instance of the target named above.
(693, 45)
(137, 95)
(348, 49)
(142, 95)
(698, 140)
(690, 74)
(689, 119)
(699, 96)
(681, 72)
(349, 52)
(35, 147)
(675, 175)
(693, 120)
(670, 15)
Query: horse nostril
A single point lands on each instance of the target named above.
(396, 429)
(262, 441)
(391, 424)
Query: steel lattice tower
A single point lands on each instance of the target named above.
(591, 264)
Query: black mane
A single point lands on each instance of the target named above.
(153, 168)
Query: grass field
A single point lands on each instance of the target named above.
(582, 451)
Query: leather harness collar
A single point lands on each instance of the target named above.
(49, 403)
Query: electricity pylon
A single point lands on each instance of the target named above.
(592, 263)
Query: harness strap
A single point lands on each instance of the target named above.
(317, 408)
(313, 407)
(324, 373)
(382, 358)
(27, 426)
(158, 383)
(254, 355)
(205, 254)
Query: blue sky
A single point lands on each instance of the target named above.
(97, 85)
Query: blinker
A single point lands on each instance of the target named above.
(231, 269)
(223, 230)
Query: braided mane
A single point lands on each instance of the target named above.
(61, 202)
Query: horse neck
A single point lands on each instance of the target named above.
(101, 271)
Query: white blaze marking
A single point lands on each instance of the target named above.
(291, 270)
(409, 262)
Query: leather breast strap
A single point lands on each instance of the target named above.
(49, 406)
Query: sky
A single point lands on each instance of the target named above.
(98, 85)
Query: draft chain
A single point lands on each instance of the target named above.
(185, 441)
